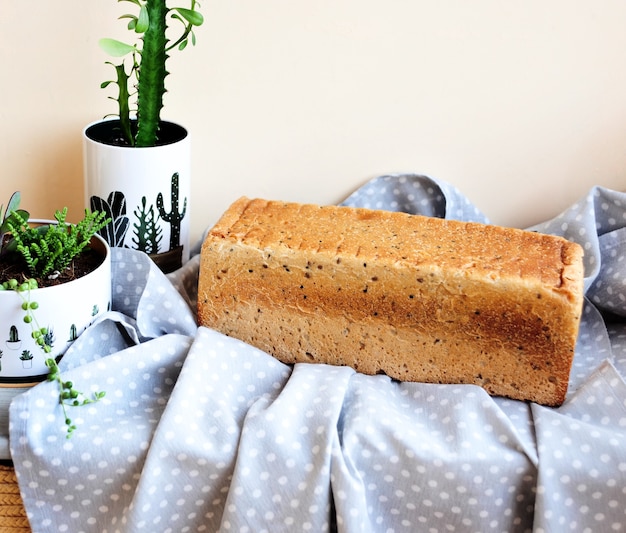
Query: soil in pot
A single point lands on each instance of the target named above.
(86, 262)
(110, 132)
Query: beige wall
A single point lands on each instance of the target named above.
(522, 105)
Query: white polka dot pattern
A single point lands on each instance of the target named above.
(202, 433)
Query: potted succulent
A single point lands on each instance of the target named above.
(137, 166)
(53, 275)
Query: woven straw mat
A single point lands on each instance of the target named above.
(12, 514)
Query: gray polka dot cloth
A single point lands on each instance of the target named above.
(201, 433)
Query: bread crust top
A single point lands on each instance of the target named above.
(488, 251)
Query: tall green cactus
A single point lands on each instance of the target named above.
(151, 83)
(148, 64)
(174, 217)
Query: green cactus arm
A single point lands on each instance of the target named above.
(151, 82)
(119, 49)
(123, 104)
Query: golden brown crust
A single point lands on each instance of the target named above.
(418, 298)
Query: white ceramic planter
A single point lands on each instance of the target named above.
(66, 310)
(145, 191)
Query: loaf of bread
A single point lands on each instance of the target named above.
(416, 298)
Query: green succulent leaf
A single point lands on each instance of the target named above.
(143, 21)
(116, 48)
(14, 202)
(13, 205)
(193, 17)
(132, 21)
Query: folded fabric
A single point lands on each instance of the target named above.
(200, 432)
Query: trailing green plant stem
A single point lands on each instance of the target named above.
(45, 249)
(23, 290)
(68, 395)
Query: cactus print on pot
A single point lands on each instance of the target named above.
(147, 226)
(144, 191)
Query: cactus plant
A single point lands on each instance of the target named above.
(174, 217)
(148, 65)
(14, 336)
(148, 233)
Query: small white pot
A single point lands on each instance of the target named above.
(146, 191)
(66, 310)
